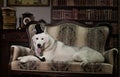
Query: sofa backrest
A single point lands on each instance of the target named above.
(77, 34)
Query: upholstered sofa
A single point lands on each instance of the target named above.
(74, 34)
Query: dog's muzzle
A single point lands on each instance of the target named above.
(40, 49)
(39, 46)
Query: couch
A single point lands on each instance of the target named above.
(74, 34)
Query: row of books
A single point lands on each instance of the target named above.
(114, 36)
(84, 2)
(115, 28)
(84, 14)
(114, 42)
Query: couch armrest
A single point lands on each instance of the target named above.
(111, 56)
(17, 51)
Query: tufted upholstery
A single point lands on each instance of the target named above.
(74, 34)
(77, 35)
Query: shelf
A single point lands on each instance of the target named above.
(85, 10)
(85, 7)
(84, 2)
(109, 21)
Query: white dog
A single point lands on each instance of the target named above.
(53, 50)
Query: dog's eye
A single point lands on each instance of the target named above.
(36, 38)
(42, 38)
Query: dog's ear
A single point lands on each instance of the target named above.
(45, 30)
(38, 28)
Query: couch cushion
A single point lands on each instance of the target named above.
(98, 68)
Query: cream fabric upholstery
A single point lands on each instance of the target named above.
(79, 35)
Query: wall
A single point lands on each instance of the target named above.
(38, 12)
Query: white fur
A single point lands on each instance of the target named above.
(58, 51)
(28, 58)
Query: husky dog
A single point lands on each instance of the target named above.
(52, 50)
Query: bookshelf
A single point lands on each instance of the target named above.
(90, 12)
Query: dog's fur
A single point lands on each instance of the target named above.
(54, 50)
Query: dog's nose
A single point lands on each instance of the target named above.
(38, 45)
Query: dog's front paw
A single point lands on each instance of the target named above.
(23, 59)
(19, 58)
(42, 59)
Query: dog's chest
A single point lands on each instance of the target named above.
(48, 55)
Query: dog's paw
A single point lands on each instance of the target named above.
(19, 58)
(42, 59)
(84, 63)
(27, 58)
(23, 59)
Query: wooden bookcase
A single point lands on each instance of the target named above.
(89, 12)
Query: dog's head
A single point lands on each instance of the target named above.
(39, 40)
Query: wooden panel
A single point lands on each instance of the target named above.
(15, 36)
